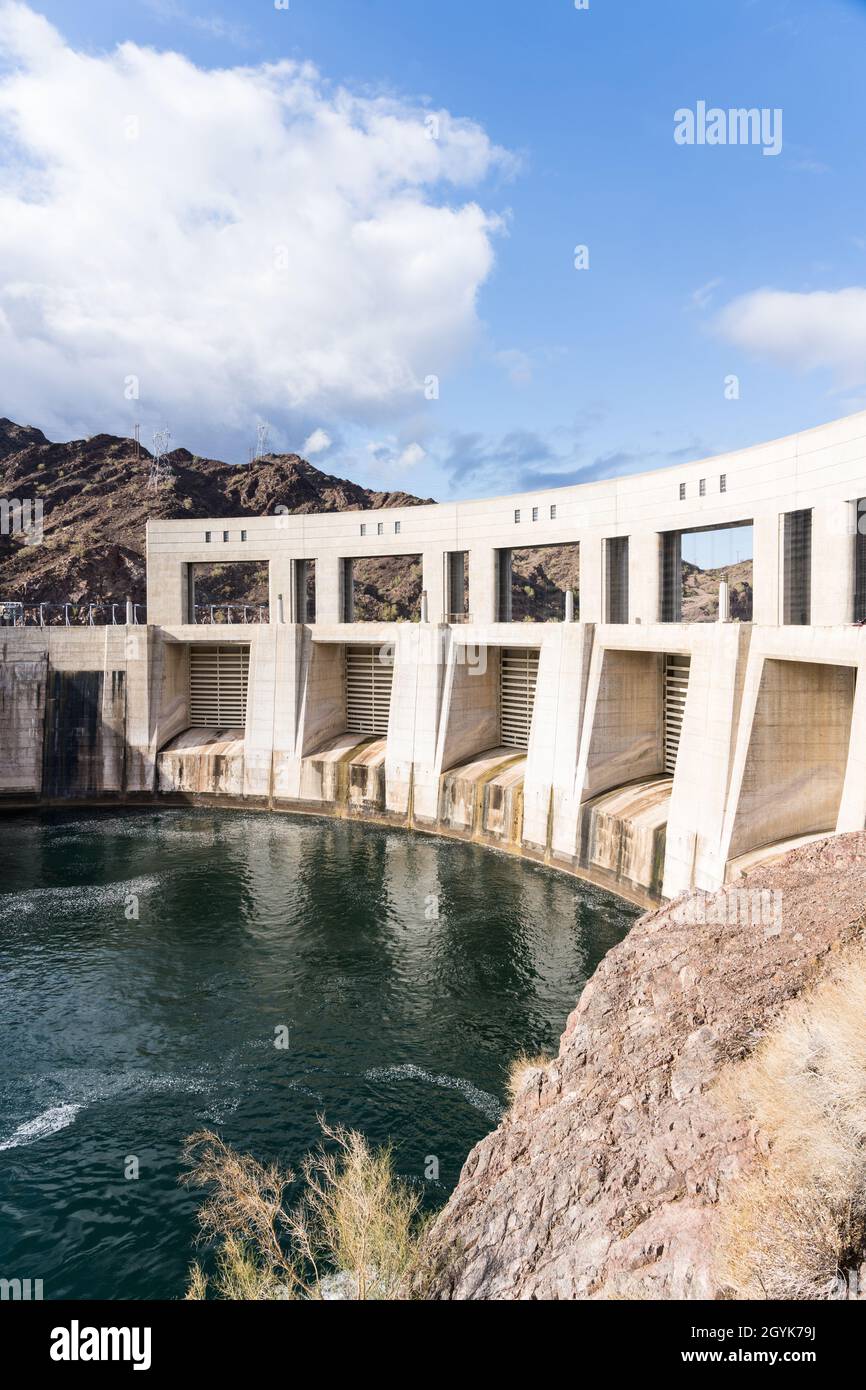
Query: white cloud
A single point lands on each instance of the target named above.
(391, 455)
(247, 242)
(170, 12)
(516, 365)
(316, 443)
(809, 166)
(701, 297)
(411, 456)
(821, 329)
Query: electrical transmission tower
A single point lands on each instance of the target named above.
(261, 441)
(160, 468)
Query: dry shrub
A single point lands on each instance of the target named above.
(244, 1214)
(353, 1233)
(355, 1217)
(789, 1229)
(524, 1071)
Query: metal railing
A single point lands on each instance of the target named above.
(87, 613)
(216, 614)
(14, 613)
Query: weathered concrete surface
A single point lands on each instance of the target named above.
(204, 762)
(798, 752)
(607, 1177)
(22, 722)
(346, 772)
(85, 727)
(483, 796)
(623, 833)
(66, 728)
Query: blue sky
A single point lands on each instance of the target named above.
(555, 374)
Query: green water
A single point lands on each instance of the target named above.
(407, 972)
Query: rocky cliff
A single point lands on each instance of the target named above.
(700, 1133)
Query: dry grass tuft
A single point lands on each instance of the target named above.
(354, 1232)
(525, 1071)
(789, 1229)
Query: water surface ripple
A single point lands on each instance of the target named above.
(150, 960)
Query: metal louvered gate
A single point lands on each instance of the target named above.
(676, 688)
(672, 577)
(368, 689)
(860, 562)
(218, 687)
(518, 674)
(616, 579)
(797, 577)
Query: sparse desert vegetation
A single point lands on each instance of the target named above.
(353, 1233)
(791, 1229)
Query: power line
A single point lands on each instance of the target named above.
(160, 468)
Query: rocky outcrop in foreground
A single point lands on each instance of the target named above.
(615, 1173)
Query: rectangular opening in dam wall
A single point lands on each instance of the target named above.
(694, 565)
(304, 596)
(797, 568)
(382, 589)
(456, 586)
(518, 676)
(234, 591)
(369, 679)
(798, 752)
(218, 678)
(860, 563)
(532, 582)
(616, 579)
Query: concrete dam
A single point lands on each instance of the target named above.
(618, 741)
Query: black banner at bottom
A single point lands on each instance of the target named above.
(83, 1338)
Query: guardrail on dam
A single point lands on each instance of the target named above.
(648, 753)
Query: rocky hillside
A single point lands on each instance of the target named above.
(540, 577)
(96, 503)
(700, 1133)
(701, 592)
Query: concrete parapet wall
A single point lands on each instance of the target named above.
(822, 470)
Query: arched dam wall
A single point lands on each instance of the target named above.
(772, 747)
(647, 753)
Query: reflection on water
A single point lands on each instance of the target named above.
(149, 962)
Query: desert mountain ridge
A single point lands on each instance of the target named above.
(96, 503)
